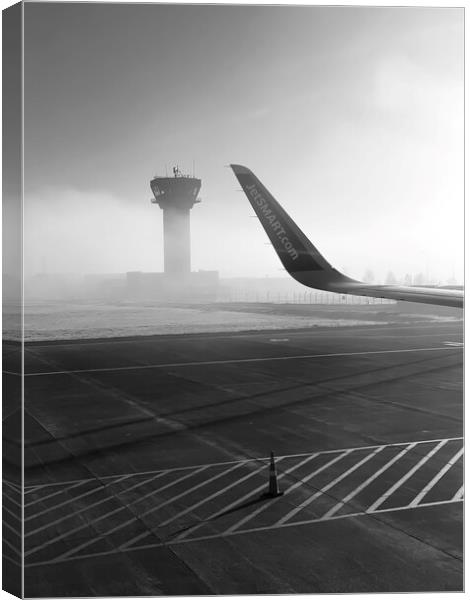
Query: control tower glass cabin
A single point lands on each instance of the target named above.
(176, 196)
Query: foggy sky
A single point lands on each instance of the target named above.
(351, 117)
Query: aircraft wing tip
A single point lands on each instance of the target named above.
(240, 170)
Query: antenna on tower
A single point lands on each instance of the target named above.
(194, 168)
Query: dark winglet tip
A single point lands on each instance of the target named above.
(240, 170)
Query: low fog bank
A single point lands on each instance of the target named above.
(204, 286)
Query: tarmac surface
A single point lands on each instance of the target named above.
(146, 459)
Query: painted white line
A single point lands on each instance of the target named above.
(228, 507)
(363, 485)
(13, 486)
(231, 462)
(5, 496)
(238, 501)
(76, 512)
(27, 505)
(233, 361)
(291, 524)
(437, 477)
(252, 493)
(33, 489)
(292, 487)
(135, 519)
(99, 488)
(203, 501)
(407, 507)
(456, 344)
(401, 481)
(295, 485)
(105, 516)
(214, 495)
(458, 495)
(12, 560)
(327, 487)
(188, 509)
(15, 550)
(12, 514)
(239, 532)
(17, 532)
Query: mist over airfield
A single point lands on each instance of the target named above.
(352, 117)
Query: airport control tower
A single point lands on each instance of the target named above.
(176, 196)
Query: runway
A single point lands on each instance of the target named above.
(148, 456)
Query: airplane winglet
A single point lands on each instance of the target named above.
(296, 252)
(308, 266)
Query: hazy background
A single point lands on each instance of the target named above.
(352, 117)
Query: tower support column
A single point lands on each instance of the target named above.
(177, 241)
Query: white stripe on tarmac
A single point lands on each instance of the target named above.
(294, 486)
(328, 486)
(239, 532)
(106, 515)
(292, 524)
(17, 532)
(12, 514)
(458, 495)
(203, 501)
(145, 513)
(12, 560)
(214, 495)
(188, 509)
(12, 529)
(7, 497)
(422, 505)
(435, 479)
(15, 550)
(401, 481)
(99, 488)
(251, 493)
(231, 462)
(237, 502)
(35, 488)
(85, 508)
(13, 486)
(257, 490)
(233, 361)
(363, 485)
(55, 493)
(135, 519)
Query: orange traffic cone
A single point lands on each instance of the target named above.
(273, 489)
